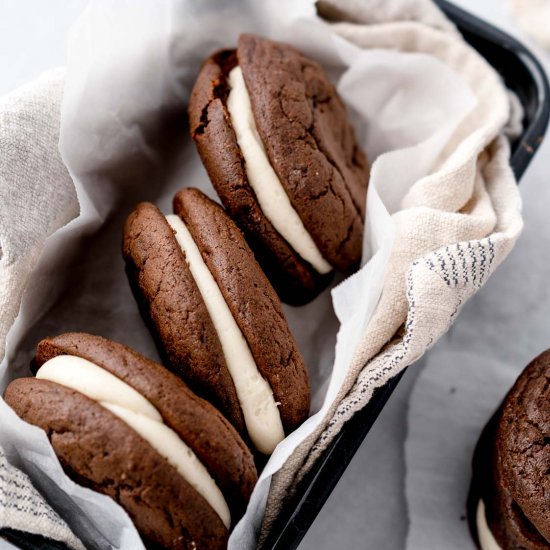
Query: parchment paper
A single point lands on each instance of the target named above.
(124, 139)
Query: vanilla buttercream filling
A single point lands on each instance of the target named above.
(260, 411)
(269, 191)
(486, 538)
(137, 412)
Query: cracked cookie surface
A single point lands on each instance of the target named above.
(200, 426)
(101, 451)
(252, 301)
(523, 443)
(311, 146)
(174, 310)
(511, 464)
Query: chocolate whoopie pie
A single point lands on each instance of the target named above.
(275, 139)
(126, 427)
(216, 318)
(509, 501)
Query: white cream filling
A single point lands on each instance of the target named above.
(486, 538)
(131, 407)
(261, 415)
(269, 191)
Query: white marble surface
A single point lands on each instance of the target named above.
(509, 318)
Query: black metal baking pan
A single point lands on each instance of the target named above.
(522, 74)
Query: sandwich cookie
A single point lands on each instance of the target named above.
(126, 427)
(509, 504)
(217, 319)
(275, 139)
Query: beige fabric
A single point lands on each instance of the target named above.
(533, 16)
(29, 161)
(380, 11)
(22, 507)
(37, 197)
(454, 229)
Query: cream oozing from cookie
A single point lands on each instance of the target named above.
(135, 410)
(486, 538)
(269, 191)
(261, 415)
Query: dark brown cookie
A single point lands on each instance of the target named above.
(311, 146)
(512, 462)
(199, 425)
(252, 301)
(172, 302)
(173, 308)
(100, 451)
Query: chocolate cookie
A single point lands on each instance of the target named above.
(216, 317)
(509, 502)
(274, 137)
(126, 427)
(174, 310)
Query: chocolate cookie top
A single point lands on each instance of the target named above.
(252, 301)
(294, 279)
(171, 304)
(100, 451)
(523, 443)
(199, 425)
(512, 461)
(322, 170)
(303, 125)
